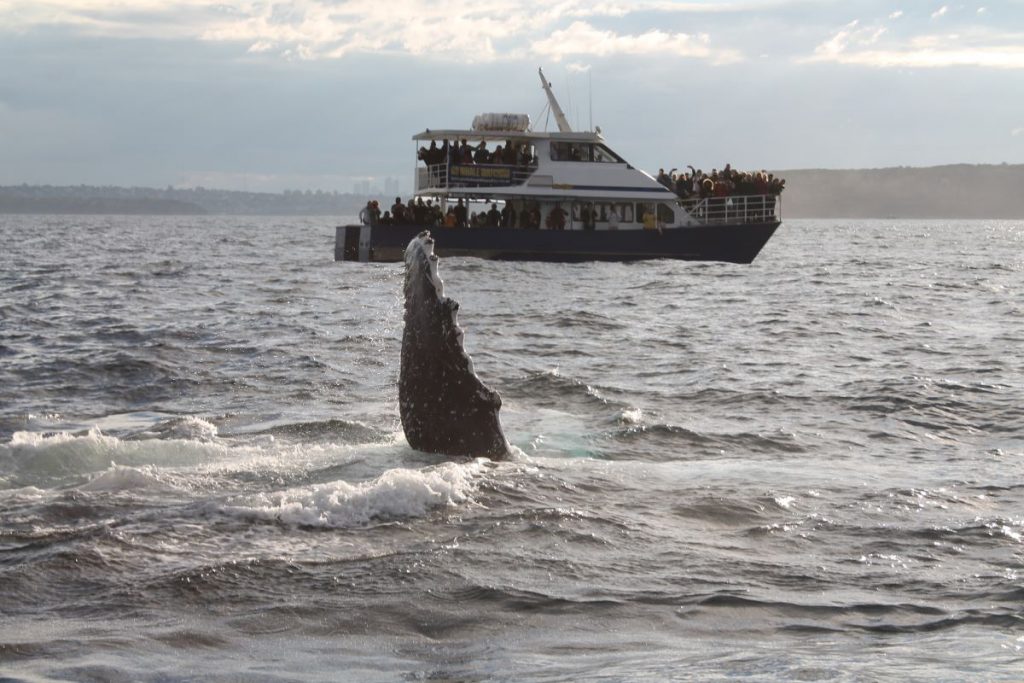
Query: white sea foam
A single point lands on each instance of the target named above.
(65, 453)
(631, 416)
(396, 494)
(186, 464)
(1011, 533)
(785, 502)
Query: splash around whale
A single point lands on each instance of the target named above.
(445, 408)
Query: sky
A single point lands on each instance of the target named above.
(322, 94)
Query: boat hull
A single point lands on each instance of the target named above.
(738, 243)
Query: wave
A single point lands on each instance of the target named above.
(189, 428)
(396, 494)
(119, 478)
(939, 405)
(55, 458)
(88, 375)
(662, 441)
(551, 388)
(34, 457)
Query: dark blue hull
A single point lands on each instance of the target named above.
(737, 243)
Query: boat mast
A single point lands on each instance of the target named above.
(563, 124)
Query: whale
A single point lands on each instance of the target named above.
(444, 406)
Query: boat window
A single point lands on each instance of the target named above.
(527, 155)
(666, 214)
(567, 151)
(604, 155)
(623, 212)
(645, 214)
(582, 151)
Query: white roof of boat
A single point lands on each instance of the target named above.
(458, 134)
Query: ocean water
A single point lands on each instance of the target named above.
(810, 468)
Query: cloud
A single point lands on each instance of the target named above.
(261, 46)
(838, 45)
(880, 45)
(719, 32)
(580, 38)
(467, 30)
(1001, 57)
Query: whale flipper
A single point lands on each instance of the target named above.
(444, 406)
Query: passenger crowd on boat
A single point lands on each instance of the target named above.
(692, 185)
(461, 152)
(696, 184)
(416, 212)
(430, 215)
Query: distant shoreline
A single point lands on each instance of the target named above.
(963, 191)
(953, 191)
(98, 206)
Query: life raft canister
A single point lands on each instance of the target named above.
(518, 123)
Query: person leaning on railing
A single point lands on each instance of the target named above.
(433, 155)
(370, 214)
(481, 155)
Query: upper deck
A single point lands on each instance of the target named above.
(496, 163)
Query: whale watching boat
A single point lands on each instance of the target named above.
(501, 190)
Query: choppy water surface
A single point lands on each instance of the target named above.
(811, 468)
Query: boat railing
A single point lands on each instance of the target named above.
(757, 208)
(442, 176)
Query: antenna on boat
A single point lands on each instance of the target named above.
(590, 97)
(563, 124)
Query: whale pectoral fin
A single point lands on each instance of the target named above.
(444, 406)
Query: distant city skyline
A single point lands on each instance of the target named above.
(326, 94)
(369, 186)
